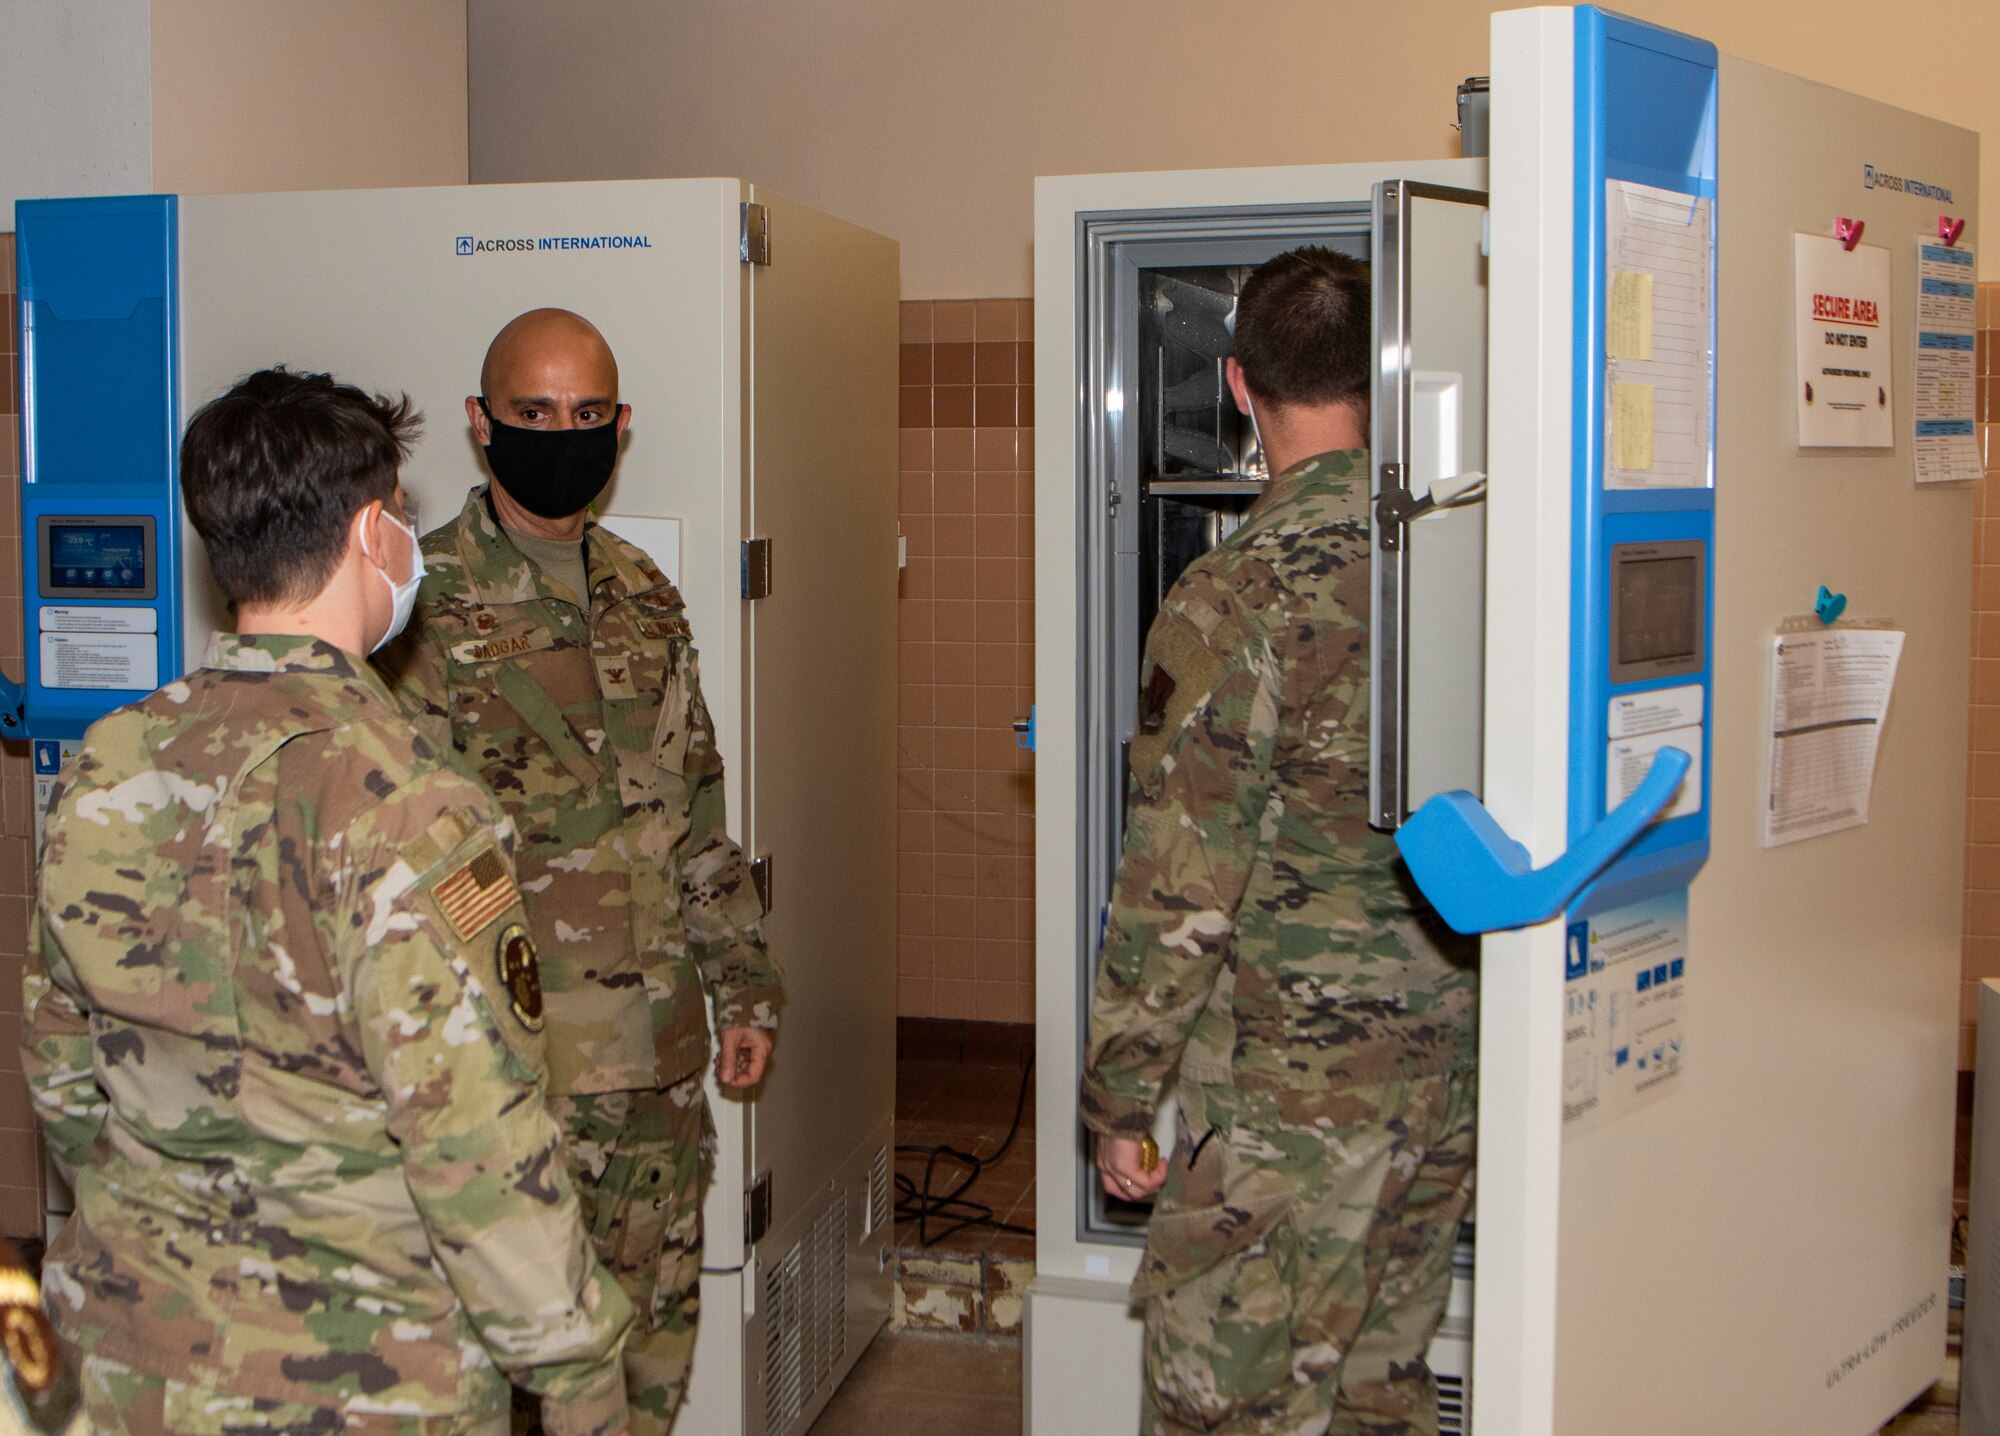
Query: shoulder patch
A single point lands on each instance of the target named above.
(1201, 615)
(1182, 672)
(25, 1334)
(520, 975)
(430, 847)
(474, 895)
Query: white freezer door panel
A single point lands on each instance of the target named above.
(823, 671)
(371, 286)
(1765, 1250)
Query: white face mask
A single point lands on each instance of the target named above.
(1250, 407)
(402, 596)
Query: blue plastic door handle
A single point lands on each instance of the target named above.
(1480, 880)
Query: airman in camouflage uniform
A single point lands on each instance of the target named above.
(1266, 948)
(582, 712)
(283, 1029)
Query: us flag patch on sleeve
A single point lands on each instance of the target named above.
(475, 895)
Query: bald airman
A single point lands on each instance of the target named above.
(557, 659)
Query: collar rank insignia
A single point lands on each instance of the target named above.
(520, 975)
(476, 894)
(614, 677)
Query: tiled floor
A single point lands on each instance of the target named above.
(957, 1085)
(967, 1106)
(914, 1383)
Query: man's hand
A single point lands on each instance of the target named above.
(744, 1052)
(1123, 1177)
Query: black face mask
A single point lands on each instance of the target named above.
(552, 473)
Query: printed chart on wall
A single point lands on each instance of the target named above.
(1658, 331)
(1947, 449)
(1624, 1021)
(1830, 692)
(1847, 376)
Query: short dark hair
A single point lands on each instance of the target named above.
(1302, 333)
(273, 472)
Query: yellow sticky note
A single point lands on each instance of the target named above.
(1628, 334)
(1632, 426)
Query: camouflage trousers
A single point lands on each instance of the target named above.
(1299, 1259)
(119, 1401)
(641, 1162)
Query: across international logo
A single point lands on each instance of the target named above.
(471, 244)
(1873, 178)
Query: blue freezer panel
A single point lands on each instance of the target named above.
(100, 423)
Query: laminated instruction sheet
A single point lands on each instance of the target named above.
(1624, 994)
(1658, 354)
(1830, 691)
(1947, 449)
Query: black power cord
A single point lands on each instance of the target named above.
(921, 1204)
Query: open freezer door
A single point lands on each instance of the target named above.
(1428, 435)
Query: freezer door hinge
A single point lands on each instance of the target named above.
(1395, 506)
(757, 568)
(755, 236)
(760, 879)
(757, 1210)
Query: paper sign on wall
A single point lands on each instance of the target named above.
(1846, 378)
(1946, 448)
(1830, 691)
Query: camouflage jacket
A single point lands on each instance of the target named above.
(282, 1034)
(1260, 934)
(589, 726)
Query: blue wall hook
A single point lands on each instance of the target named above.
(1481, 880)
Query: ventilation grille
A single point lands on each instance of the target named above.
(784, 1366)
(878, 1192)
(805, 1321)
(1451, 1406)
(830, 1310)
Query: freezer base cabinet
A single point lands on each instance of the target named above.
(1076, 1331)
(817, 1294)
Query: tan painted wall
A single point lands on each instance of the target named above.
(929, 119)
(245, 95)
(75, 94)
(301, 94)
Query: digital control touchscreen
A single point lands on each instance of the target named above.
(1659, 597)
(96, 556)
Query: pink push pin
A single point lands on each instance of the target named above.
(1950, 229)
(1848, 231)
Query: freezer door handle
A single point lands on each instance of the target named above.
(1481, 880)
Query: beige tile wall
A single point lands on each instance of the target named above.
(965, 919)
(20, 1147)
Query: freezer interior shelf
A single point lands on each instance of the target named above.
(1205, 485)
